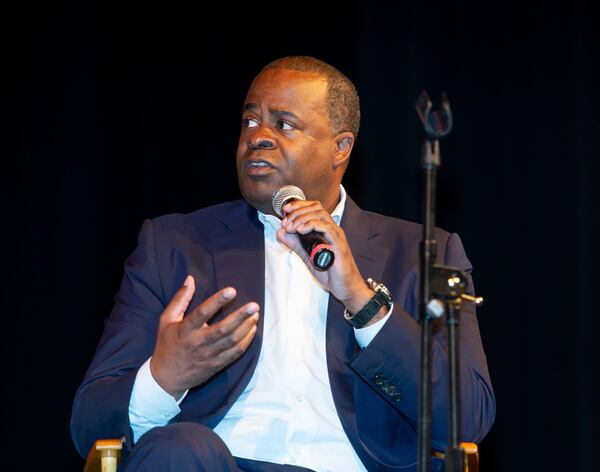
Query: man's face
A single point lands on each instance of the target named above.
(286, 139)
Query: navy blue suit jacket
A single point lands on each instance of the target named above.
(375, 389)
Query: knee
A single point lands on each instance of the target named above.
(179, 437)
(188, 444)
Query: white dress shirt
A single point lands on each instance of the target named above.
(286, 413)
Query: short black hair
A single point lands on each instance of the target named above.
(342, 103)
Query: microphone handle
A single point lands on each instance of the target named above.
(320, 253)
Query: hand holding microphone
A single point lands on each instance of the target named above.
(343, 280)
(319, 251)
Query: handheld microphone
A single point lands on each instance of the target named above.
(319, 251)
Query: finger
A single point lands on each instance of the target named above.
(179, 303)
(296, 209)
(203, 312)
(215, 332)
(292, 225)
(296, 204)
(330, 231)
(234, 337)
(228, 356)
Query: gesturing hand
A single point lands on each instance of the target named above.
(189, 351)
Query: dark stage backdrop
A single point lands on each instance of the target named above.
(121, 113)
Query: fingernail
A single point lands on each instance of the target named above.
(255, 316)
(284, 221)
(252, 308)
(188, 281)
(228, 292)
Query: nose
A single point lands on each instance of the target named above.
(261, 140)
(266, 144)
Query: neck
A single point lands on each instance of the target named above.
(332, 200)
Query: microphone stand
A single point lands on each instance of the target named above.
(428, 250)
(436, 126)
(442, 291)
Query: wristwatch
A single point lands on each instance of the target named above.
(363, 316)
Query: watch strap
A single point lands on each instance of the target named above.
(372, 307)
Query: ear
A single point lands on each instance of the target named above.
(344, 143)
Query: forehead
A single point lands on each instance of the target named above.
(289, 90)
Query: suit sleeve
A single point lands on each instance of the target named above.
(390, 364)
(100, 408)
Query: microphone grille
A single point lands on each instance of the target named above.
(283, 195)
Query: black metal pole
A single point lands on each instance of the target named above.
(430, 162)
(453, 315)
(437, 124)
(454, 460)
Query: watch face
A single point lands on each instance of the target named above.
(379, 287)
(385, 290)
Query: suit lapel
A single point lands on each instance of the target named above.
(341, 342)
(239, 255)
(370, 258)
(363, 239)
(239, 261)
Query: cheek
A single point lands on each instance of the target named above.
(241, 145)
(241, 150)
(311, 171)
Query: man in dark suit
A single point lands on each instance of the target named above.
(227, 350)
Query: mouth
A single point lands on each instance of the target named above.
(258, 167)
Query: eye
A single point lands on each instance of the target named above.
(250, 123)
(285, 125)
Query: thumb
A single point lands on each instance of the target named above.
(292, 241)
(175, 310)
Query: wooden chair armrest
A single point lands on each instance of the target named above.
(104, 456)
(472, 453)
(471, 456)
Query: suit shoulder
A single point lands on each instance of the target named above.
(398, 227)
(201, 221)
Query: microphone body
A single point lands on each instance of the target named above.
(319, 251)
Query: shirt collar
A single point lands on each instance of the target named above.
(272, 222)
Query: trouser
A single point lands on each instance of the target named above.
(183, 447)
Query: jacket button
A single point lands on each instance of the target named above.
(391, 390)
(378, 379)
(397, 397)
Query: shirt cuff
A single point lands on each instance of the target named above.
(150, 406)
(365, 335)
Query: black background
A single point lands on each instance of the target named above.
(117, 113)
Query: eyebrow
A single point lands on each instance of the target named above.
(273, 111)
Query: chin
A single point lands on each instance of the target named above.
(259, 198)
(265, 207)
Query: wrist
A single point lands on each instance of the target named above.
(164, 383)
(359, 297)
(371, 311)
